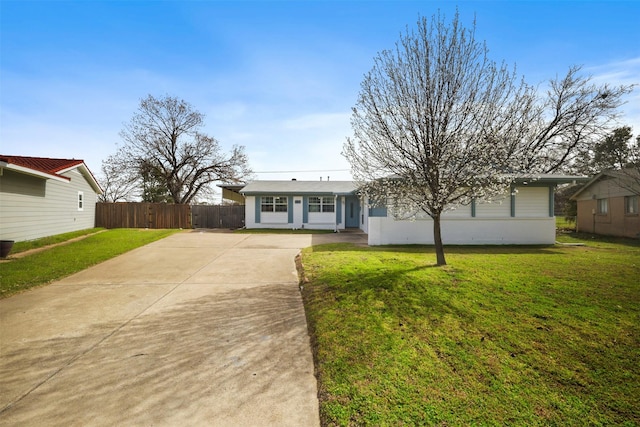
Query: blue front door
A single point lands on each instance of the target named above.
(352, 212)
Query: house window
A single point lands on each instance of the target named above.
(631, 205)
(273, 204)
(322, 204)
(80, 200)
(603, 206)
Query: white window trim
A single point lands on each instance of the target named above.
(80, 201)
(274, 203)
(322, 204)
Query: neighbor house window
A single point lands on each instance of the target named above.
(80, 200)
(631, 205)
(322, 204)
(273, 204)
(603, 206)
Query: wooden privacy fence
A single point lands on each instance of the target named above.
(231, 216)
(142, 215)
(162, 215)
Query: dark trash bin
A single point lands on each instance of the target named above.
(5, 247)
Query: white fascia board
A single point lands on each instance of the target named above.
(32, 172)
(84, 170)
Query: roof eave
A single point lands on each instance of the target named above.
(552, 180)
(33, 172)
(296, 193)
(93, 182)
(593, 180)
(86, 173)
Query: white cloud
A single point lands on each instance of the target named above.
(626, 72)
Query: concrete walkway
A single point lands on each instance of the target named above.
(196, 329)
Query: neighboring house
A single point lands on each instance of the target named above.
(322, 205)
(231, 193)
(524, 215)
(41, 197)
(608, 204)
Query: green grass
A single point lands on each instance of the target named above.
(564, 224)
(60, 261)
(51, 240)
(281, 231)
(531, 336)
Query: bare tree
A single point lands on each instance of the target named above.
(573, 116)
(437, 123)
(118, 180)
(163, 141)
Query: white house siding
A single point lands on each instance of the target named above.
(532, 202)
(364, 218)
(477, 231)
(322, 218)
(498, 208)
(278, 218)
(250, 212)
(315, 220)
(267, 219)
(32, 207)
(341, 205)
(459, 212)
(492, 224)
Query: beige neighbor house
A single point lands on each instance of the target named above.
(608, 204)
(42, 197)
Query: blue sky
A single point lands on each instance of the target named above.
(279, 77)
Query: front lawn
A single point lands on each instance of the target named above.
(51, 240)
(502, 336)
(565, 224)
(60, 261)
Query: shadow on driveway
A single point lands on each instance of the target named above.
(199, 352)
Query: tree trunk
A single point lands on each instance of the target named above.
(437, 240)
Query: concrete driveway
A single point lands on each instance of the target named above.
(199, 328)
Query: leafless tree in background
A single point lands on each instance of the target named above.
(119, 182)
(571, 117)
(163, 146)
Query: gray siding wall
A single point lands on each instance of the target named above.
(32, 207)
